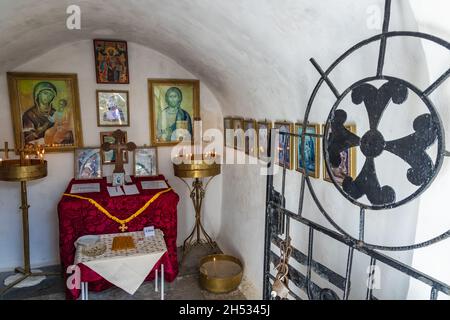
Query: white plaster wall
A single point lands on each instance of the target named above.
(433, 217)
(44, 195)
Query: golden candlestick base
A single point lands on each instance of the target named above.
(197, 169)
(23, 170)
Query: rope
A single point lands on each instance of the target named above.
(123, 222)
(283, 267)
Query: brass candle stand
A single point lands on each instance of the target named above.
(205, 167)
(23, 170)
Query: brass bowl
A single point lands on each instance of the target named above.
(196, 169)
(220, 284)
(12, 170)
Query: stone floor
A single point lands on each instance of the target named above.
(184, 287)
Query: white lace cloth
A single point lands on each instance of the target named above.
(126, 269)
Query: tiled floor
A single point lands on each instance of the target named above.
(184, 287)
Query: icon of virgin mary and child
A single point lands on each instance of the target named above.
(47, 121)
(173, 117)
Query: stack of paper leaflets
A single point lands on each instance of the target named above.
(158, 184)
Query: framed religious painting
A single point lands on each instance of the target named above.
(111, 61)
(109, 157)
(88, 164)
(263, 131)
(174, 106)
(285, 156)
(45, 110)
(228, 132)
(145, 162)
(113, 108)
(311, 160)
(239, 134)
(251, 143)
(347, 163)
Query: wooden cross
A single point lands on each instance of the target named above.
(118, 148)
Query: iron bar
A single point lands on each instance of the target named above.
(309, 263)
(381, 56)
(369, 294)
(302, 195)
(283, 189)
(310, 134)
(362, 216)
(434, 294)
(268, 233)
(287, 228)
(325, 77)
(437, 83)
(348, 273)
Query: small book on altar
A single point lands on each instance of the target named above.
(85, 188)
(130, 189)
(159, 184)
(115, 191)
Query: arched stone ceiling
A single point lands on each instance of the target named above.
(253, 54)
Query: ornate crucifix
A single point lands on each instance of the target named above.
(118, 148)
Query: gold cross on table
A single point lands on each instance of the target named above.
(118, 147)
(123, 228)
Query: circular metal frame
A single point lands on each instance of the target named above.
(439, 155)
(365, 42)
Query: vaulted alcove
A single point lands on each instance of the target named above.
(252, 60)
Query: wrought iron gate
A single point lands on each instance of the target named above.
(335, 139)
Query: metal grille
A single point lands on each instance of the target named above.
(336, 138)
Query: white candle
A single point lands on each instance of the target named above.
(221, 268)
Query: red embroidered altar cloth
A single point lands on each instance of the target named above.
(79, 217)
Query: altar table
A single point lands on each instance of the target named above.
(125, 268)
(78, 217)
